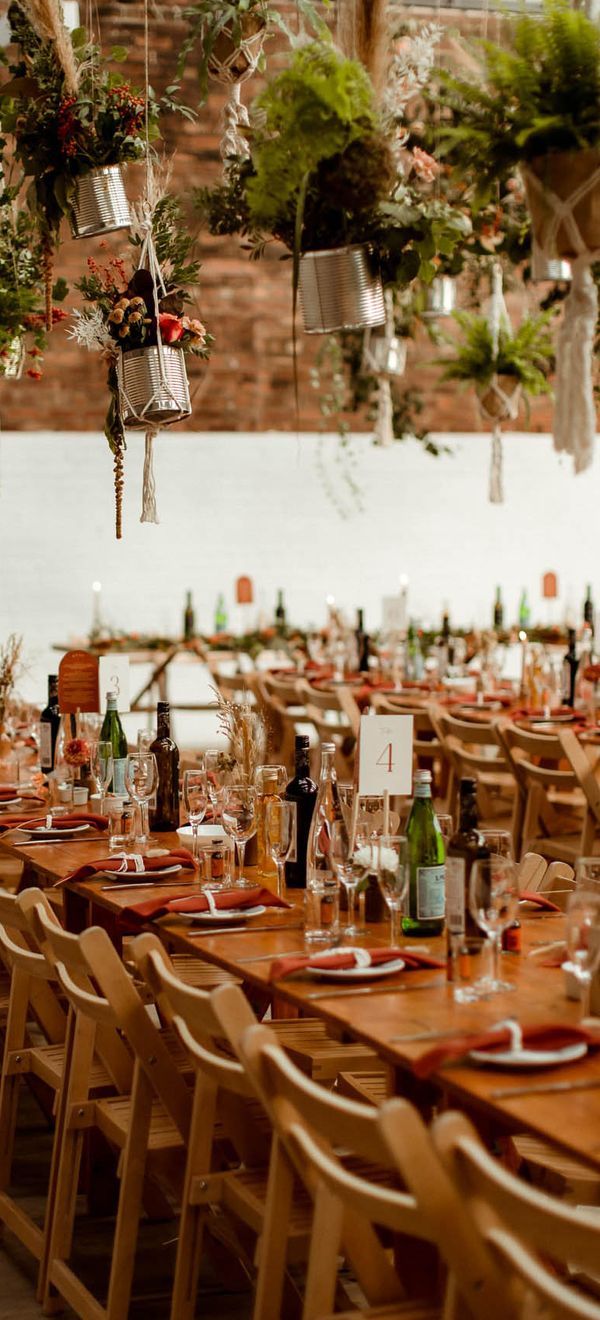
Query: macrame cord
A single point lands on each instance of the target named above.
(377, 363)
(503, 405)
(235, 114)
(574, 411)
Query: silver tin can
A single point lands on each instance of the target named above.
(340, 289)
(11, 365)
(440, 297)
(147, 397)
(100, 204)
(545, 268)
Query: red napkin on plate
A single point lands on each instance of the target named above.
(59, 822)
(281, 967)
(539, 900)
(550, 1036)
(126, 866)
(223, 898)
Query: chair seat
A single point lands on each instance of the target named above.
(559, 1173)
(203, 975)
(395, 1311)
(113, 1117)
(47, 1063)
(372, 1087)
(318, 1054)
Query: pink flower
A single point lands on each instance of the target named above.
(424, 165)
(171, 328)
(194, 327)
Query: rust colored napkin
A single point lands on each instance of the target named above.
(551, 1036)
(539, 900)
(281, 967)
(59, 823)
(224, 899)
(126, 865)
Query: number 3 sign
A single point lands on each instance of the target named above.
(385, 755)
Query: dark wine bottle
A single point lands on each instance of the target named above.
(49, 726)
(362, 643)
(498, 611)
(280, 615)
(570, 667)
(189, 619)
(588, 609)
(465, 847)
(303, 791)
(164, 811)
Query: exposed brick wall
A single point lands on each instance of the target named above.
(248, 383)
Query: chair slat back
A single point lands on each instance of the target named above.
(17, 948)
(516, 1220)
(583, 770)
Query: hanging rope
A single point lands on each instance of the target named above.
(149, 510)
(235, 117)
(496, 468)
(231, 71)
(494, 400)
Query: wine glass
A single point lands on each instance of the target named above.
(392, 874)
(239, 821)
(280, 831)
(218, 768)
(583, 938)
(498, 842)
(102, 765)
(347, 869)
(493, 900)
(587, 874)
(141, 778)
(195, 797)
(145, 738)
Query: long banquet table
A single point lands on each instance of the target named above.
(413, 1003)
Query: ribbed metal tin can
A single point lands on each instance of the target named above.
(11, 365)
(550, 269)
(146, 395)
(100, 204)
(340, 289)
(440, 297)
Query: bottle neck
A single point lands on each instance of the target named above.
(468, 815)
(301, 761)
(423, 791)
(328, 773)
(111, 708)
(163, 724)
(52, 690)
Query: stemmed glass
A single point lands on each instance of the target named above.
(392, 874)
(195, 797)
(348, 872)
(141, 778)
(239, 821)
(583, 938)
(498, 842)
(218, 770)
(280, 826)
(102, 765)
(493, 900)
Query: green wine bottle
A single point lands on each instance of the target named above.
(426, 896)
(112, 732)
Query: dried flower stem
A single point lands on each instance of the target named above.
(119, 483)
(47, 273)
(46, 19)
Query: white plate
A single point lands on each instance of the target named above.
(206, 832)
(54, 833)
(9, 802)
(530, 1058)
(355, 973)
(226, 914)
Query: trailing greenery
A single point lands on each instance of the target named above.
(215, 24)
(22, 313)
(539, 95)
(526, 354)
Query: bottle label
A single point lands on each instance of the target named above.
(455, 894)
(430, 893)
(118, 779)
(45, 745)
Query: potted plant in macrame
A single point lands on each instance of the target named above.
(519, 366)
(22, 314)
(136, 318)
(73, 125)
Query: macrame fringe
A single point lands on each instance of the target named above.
(574, 410)
(119, 483)
(384, 426)
(149, 512)
(235, 117)
(496, 468)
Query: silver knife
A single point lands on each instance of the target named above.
(371, 990)
(235, 930)
(544, 1088)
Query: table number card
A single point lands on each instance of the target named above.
(114, 677)
(385, 755)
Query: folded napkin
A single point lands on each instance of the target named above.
(347, 958)
(223, 899)
(550, 1036)
(11, 822)
(539, 900)
(131, 864)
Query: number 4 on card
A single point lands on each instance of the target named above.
(385, 755)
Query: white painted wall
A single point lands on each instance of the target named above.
(256, 504)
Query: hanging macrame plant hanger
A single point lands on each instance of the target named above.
(496, 400)
(231, 71)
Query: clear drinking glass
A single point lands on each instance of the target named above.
(141, 778)
(280, 831)
(583, 938)
(195, 797)
(218, 766)
(498, 842)
(392, 874)
(348, 873)
(587, 874)
(102, 765)
(239, 821)
(494, 901)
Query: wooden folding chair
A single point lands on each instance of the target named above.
(551, 814)
(336, 718)
(473, 748)
(428, 752)
(222, 1088)
(284, 713)
(341, 1151)
(533, 1238)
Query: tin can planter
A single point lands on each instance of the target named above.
(560, 174)
(100, 204)
(548, 269)
(149, 396)
(340, 289)
(493, 405)
(440, 297)
(12, 360)
(231, 62)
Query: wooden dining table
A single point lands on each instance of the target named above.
(399, 1018)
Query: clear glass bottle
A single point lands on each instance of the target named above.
(322, 897)
(267, 783)
(426, 896)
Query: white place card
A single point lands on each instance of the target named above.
(385, 755)
(114, 677)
